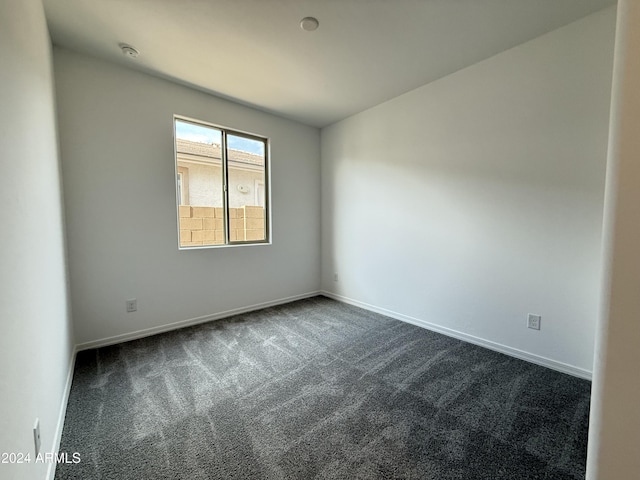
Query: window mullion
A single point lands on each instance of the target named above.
(225, 187)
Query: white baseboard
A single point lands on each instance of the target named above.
(186, 323)
(51, 470)
(498, 347)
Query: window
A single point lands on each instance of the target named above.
(221, 185)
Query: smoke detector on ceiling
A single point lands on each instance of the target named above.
(129, 51)
(309, 24)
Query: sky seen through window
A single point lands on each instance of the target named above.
(203, 134)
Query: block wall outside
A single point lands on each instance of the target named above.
(205, 225)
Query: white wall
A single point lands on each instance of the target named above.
(477, 199)
(614, 424)
(118, 167)
(35, 341)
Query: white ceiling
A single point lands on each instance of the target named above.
(254, 52)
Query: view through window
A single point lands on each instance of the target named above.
(221, 185)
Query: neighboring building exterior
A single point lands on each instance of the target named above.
(199, 167)
(199, 170)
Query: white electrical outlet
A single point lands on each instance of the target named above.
(36, 435)
(533, 321)
(335, 277)
(132, 305)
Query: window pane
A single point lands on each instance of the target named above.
(199, 170)
(247, 193)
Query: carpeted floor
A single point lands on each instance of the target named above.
(319, 389)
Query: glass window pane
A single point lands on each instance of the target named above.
(247, 194)
(199, 170)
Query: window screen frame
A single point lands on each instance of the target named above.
(225, 183)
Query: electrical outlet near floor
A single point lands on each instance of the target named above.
(335, 277)
(36, 435)
(533, 321)
(132, 305)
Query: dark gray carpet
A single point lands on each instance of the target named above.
(319, 389)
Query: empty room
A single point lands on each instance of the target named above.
(295, 239)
